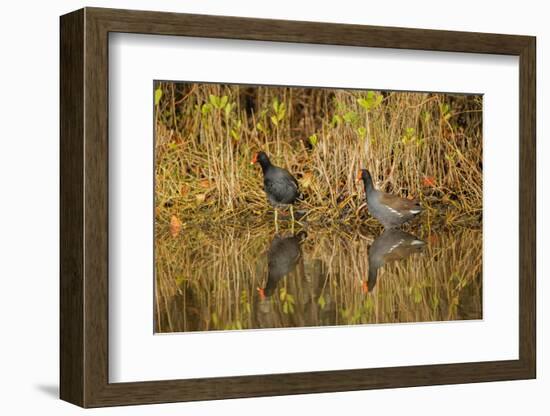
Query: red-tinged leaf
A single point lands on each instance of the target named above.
(175, 226)
(205, 183)
(184, 189)
(432, 238)
(428, 181)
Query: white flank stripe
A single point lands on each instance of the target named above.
(395, 245)
(394, 211)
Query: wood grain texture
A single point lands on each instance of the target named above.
(527, 207)
(84, 207)
(71, 100)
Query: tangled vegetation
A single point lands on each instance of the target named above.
(423, 145)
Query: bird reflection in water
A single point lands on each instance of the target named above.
(282, 257)
(392, 245)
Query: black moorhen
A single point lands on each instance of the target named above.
(280, 186)
(390, 210)
(391, 245)
(282, 257)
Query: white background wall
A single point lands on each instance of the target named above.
(29, 159)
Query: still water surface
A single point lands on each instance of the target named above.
(238, 277)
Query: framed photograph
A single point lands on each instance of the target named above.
(255, 207)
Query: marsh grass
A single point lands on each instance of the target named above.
(422, 145)
(208, 279)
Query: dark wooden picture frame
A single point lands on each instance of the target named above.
(84, 207)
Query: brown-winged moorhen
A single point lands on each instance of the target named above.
(280, 186)
(392, 245)
(390, 210)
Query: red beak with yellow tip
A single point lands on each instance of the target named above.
(261, 292)
(254, 159)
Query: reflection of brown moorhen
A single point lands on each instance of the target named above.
(390, 210)
(282, 257)
(391, 245)
(280, 186)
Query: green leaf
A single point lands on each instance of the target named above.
(321, 302)
(369, 304)
(206, 108)
(445, 111)
(362, 132)
(417, 296)
(281, 111)
(276, 104)
(223, 101)
(215, 101)
(372, 100)
(290, 299)
(350, 117)
(228, 108)
(158, 95)
(313, 139)
(364, 103)
(427, 116)
(274, 120)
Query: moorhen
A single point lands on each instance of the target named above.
(391, 245)
(280, 186)
(390, 210)
(282, 257)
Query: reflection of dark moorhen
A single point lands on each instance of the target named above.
(390, 210)
(279, 185)
(282, 257)
(391, 245)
